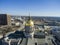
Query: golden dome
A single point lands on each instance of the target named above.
(29, 23)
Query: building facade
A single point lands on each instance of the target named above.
(5, 19)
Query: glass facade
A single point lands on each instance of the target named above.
(3, 19)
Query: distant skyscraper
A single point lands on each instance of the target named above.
(5, 19)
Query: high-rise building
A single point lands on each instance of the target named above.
(5, 19)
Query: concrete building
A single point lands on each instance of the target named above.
(5, 19)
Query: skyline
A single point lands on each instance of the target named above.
(34, 7)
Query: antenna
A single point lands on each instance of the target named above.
(29, 13)
(29, 16)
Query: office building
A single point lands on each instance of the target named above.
(5, 19)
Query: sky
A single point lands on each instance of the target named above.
(34, 7)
